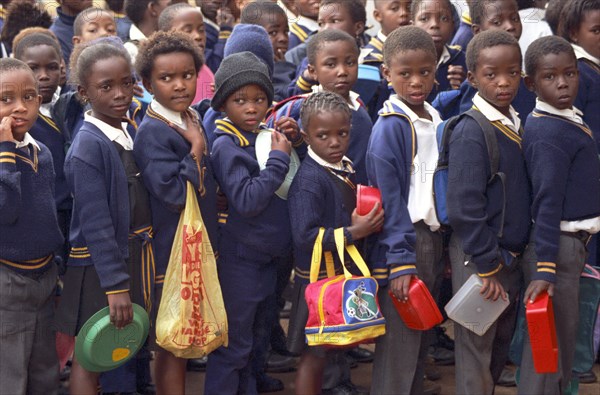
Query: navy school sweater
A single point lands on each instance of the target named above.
(283, 75)
(562, 161)
(315, 201)
(163, 157)
(389, 160)
(258, 220)
(215, 45)
(28, 224)
(298, 34)
(464, 33)
(359, 132)
(62, 27)
(375, 57)
(100, 222)
(588, 96)
(123, 26)
(457, 58)
(474, 207)
(46, 131)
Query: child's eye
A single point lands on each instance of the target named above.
(165, 78)
(490, 75)
(260, 100)
(273, 33)
(571, 74)
(105, 87)
(404, 74)
(188, 76)
(495, 22)
(343, 133)
(6, 99)
(239, 101)
(425, 72)
(29, 97)
(92, 30)
(423, 18)
(444, 18)
(548, 77)
(322, 136)
(514, 73)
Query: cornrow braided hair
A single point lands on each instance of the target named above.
(322, 101)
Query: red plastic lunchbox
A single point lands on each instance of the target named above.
(419, 312)
(542, 334)
(366, 197)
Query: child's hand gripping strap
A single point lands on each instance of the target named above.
(352, 251)
(315, 265)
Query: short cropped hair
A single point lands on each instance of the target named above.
(11, 64)
(165, 20)
(326, 36)
(115, 5)
(322, 101)
(355, 8)
(162, 43)
(477, 10)
(135, 10)
(84, 57)
(544, 46)
(34, 40)
(572, 15)
(85, 16)
(255, 12)
(35, 30)
(552, 16)
(415, 4)
(489, 39)
(408, 38)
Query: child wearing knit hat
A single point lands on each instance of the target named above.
(256, 237)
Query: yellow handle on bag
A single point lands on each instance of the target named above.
(315, 265)
(352, 251)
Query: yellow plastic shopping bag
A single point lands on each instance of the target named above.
(191, 319)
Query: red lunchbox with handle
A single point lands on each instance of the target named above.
(419, 312)
(542, 334)
(366, 198)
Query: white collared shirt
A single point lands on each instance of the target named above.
(572, 114)
(492, 114)
(308, 23)
(119, 136)
(46, 108)
(354, 103)
(421, 206)
(582, 53)
(381, 36)
(27, 139)
(340, 166)
(135, 34)
(171, 116)
(445, 56)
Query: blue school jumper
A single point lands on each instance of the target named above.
(216, 38)
(457, 58)
(475, 208)
(99, 232)
(28, 224)
(164, 159)
(316, 200)
(390, 153)
(464, 34)
(62, 27)
(283, 75)
(298, 34)
(359, 132)
(2, 17)
(375, 57)
(123, 26)
(254, 239)
(565, 174)
(300, 84)
(588, 96)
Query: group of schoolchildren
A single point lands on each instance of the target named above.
(93, 177)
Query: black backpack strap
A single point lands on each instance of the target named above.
(491, 142)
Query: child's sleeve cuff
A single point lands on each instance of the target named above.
(545, 271)
(402, 270)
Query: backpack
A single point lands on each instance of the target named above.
(440, 175)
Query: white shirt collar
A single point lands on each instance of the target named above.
(572, 114)
(353, 97)
(582, 53)
(381, 36)
(27, 139)
(340, 166)
(445, 56)
(492, 114)
(308, 23)
(412, 115)
(120, 136)
(170, 115)
(135, 33)
(46, 108)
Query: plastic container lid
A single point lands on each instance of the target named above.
(470, 309)
(542, 334)
(263, 148)
(420, 312)
(100, 346)
(366, 197)
(367, 82)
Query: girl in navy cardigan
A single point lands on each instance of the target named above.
(110, 226)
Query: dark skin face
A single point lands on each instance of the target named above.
(109, 89)
(435, 17)
(412, 75)
(497, 76)
(247, 107)
(588, 34)
(556, 80)
(45, 62)
(20, 103)
(336, 67)
(191, 22)
(308, 8)
(392, 14)
(74, 7)
(96, 26)
(278, 30)
(334, 16)
(501, 15)
(173, 80)
(328, 134)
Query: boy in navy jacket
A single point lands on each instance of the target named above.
(30, 235)
(256, 236)
(490, 218)
(63, 24)
(218, 23)
(562, 161)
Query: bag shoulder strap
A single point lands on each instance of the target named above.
(315, 265)
(352, 251)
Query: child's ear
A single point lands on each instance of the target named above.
(359, 28)
(377, 15)
(312, 72)
(147, 85)
(386, 72)
(82, 92)
(76, 40)
(529, 83)
(475, 28)
(472, 80)
(304, 136)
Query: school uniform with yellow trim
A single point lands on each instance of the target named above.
(374, 56)
(452, 55)
(300, 30)
(588, 95)
(216, 38)
(464, 33)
